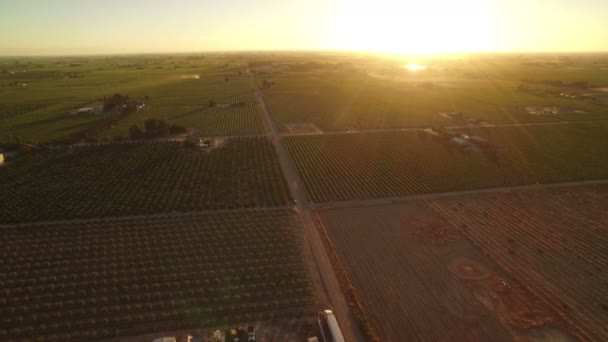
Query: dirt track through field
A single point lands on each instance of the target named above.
(324, 278)
(410, 129)
(390, 200)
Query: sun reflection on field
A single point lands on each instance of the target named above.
(415, 67)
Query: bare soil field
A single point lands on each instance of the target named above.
(419, 279)
(555, 242)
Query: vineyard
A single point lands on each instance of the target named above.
(340, 167)
(116, 277)
(370, 103)
(554, 241)
(128, 179)
(225, 119)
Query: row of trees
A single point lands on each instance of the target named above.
(155, 128)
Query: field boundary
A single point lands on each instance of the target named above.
(392, 200)
(414, 129)
(168, 215)
(354, 299)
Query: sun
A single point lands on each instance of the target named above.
(413, 27)
(415, 67)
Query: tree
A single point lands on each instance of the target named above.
(212, 103)
(151, 125)
(177, 129)
(135, 132)
(188, 143)
(163, 128)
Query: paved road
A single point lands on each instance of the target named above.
(325, 279)
(447, 127)
(390, 200)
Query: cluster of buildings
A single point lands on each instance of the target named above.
(551, 110)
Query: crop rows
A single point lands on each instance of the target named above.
(333, 111)
(553, 241)
(128, 179)
(372, 103)
(95, 279)
(225, 121)
(221, 120)
(390, 164)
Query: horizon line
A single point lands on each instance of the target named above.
(371, 52)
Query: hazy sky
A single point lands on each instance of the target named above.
(425, 26)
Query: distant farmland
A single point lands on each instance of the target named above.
(363, 102)
(227, 118)
(109, 232)
(340, 167)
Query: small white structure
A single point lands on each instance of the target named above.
(459, 141)
(85, 110)
(165, 339)
(204, 144)
(543, 110)
(1, 158)
(218, 336)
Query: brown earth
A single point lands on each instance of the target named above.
(419, 278)
(552, 241)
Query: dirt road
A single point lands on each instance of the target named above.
(324, 278)
(389, 200)
(449, 127)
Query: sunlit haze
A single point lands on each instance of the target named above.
(402, 27)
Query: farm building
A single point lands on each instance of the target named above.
(85, 110)
(548, 110)
(460, 142)
(453, 115)
(538, 110)
(479, 141)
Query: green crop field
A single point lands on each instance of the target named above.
(37, 94)
(227, 118)
(374, 103)
(101, 279)
(388, 164)
(146, 178)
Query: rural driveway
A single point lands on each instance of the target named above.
(325, 279)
